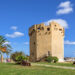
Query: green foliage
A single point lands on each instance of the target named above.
(55, 59)
(52, 59)
(4, 44)
(18, 57)
(2, 40)
(15, 55)
(26, 58)
(49, 59)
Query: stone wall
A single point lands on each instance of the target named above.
(46, 40)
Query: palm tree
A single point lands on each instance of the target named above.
(8, 52)
(4, 47)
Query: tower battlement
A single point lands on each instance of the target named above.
(46, 40)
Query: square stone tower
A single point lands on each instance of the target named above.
(46, 40)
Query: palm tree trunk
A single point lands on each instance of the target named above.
(1, 58)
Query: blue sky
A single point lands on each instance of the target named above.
(16, 16)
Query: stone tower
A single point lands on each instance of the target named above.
(46, 40)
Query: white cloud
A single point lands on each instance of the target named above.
(65, 8)
(7, 43)
(26, 43)
(60, 21)
(14, 27)
(15, 34)
(69, 42)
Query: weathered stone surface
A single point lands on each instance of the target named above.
(46, 40)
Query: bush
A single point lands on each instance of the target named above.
(52, 59)
(26, 58)
(55, 59)
(19, 59)
(15, 55)
(49, 59)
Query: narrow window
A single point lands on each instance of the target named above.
(48, 29)
(42, 28)
(33, 29)
(38, 28)
(55, 25)
(34, 43)
(48, 53)
(60, 29)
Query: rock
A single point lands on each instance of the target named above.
(25, 63)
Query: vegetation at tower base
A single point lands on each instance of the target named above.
(20, 58)
(52, 59)
(4, 47)
(55, 59)
(49, 59)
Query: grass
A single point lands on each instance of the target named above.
(13, 69)
(58, 64)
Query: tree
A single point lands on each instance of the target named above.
(16, 54)
(8, 52)
(18, 57)
(4, 47)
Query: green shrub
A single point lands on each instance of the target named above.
(16, 54)
(26, 58)
(55, 59)
(19, 59)
(49, 59)
(52, 59)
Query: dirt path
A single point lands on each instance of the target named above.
(63, 67)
